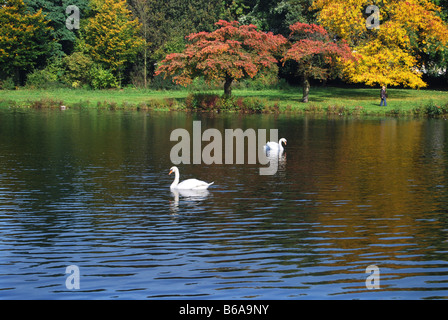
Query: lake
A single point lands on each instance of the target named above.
(91, 189)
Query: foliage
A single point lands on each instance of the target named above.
(317, 55)
(7, 84)
(77, 65)
(101, 78)
(55, 14)
(25, 38)
(111, 37)
(392, 54)
(434, 110)
(214, 102)
(277, 15)
(52, 76)
(231, 52)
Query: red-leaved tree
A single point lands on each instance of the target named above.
(316, 54)
(231, 52)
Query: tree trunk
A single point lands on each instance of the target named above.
(17, 78)
(145, 64)
(228, 86)
(145, 70)
(306, 89)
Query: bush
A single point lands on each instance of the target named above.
(209, 102)
(7, 84)
(77, 65)
(159, 83)
(102, 78)
(434, 110)
(203, 101)
(52, 76)
(42, 79)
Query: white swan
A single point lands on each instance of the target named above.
(274, 146)
(190, 184)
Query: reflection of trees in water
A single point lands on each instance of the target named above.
(375, 187)
(352, 191)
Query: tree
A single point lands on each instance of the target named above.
(169, 21)
(316, 54)
(277, 15)
(142, 11)
(55, 13)
(436, 62)
(111, 37)
(25, 39)
(393, 53)
(231, 52)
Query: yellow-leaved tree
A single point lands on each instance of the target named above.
(111, 36)
(389, 53)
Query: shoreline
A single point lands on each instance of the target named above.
(324, 101)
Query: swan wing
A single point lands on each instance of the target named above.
(271, 146)
(193, 184)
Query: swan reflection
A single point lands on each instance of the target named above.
(191, 196)
(277, 160)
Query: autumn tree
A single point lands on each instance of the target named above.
(229, 53)
(111, 36)
(391, 54)
(316, 54)
(25, 39)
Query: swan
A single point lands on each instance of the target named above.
(274, 146)
(190, 184)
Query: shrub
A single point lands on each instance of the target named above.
(7, 84)
(203, 101)
(42, 79)
(52, 76)
(207, 101)
(159, 83)
(77, 64)
(102, 78)
(46, 103)
(433, 110)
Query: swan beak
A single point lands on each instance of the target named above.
(171, 171)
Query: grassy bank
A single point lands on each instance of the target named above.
(322, 100)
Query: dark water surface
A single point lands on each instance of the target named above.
(91, 189)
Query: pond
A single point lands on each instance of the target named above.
(90, 189)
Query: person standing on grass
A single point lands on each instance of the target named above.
(383, 96)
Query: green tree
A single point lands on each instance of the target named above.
(111, 36)
(25, 39)
(142, 11)
(55, 13)
(169, 21)
(277, 15)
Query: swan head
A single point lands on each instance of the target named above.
(282, 140)
(173, 169)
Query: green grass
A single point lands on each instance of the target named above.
(322, 99)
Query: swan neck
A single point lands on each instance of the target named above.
(280, 143)
(176, 179)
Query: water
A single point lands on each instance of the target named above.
(91, 189)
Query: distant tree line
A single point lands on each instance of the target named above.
(123, 42)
